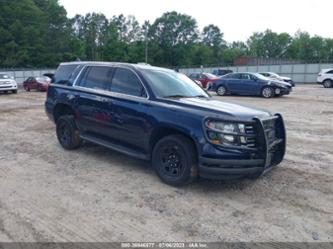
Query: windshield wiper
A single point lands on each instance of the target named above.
(200, 96)
(176, 96)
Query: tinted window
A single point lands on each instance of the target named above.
(330, 72)
(233, 76)
(63, 73)
(126, 82)
(96, 78)
(245, 76)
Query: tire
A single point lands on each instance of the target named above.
(14, 91)
(67, 133)
(327, 83)
(267, 92)
(174, 160)
(221, 91)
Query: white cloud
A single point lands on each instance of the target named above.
(237, 19)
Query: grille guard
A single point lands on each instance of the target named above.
(272, 158)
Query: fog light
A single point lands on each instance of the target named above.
(243, 140)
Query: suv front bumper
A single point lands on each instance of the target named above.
(271, 146)
(8, 87)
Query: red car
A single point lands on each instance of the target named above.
(38, 83)
(204, 78)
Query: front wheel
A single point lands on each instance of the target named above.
(328, 83)
(67, 132)
(267, 92)
(221, 91)
(14, 91)
(174, 159)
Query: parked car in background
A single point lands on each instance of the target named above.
(204, 78)
(325, 77)
(7, 83)
(278, 77)
(250, 84)
(36, 83)
(221, 71)
(160, 115)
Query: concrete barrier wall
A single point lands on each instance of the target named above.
(300, 73)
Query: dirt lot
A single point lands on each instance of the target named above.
(95, 194)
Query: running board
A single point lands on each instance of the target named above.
(116, 147)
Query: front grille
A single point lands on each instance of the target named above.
(250, 141)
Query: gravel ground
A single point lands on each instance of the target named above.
(95, 194)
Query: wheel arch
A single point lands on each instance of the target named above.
(162, 131)
(61, 109)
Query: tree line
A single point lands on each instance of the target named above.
(38, 33)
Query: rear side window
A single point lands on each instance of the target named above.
(126, 82)
(64, 73)
(233, 76)
(245, 76)
(329, 72)
(96, 77)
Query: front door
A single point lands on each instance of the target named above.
(130, 109)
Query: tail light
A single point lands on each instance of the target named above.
(319, 75)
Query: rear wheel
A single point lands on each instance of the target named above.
(174, 160)
(221, 91)
(327, 83)
(67, 132)
(267, 92)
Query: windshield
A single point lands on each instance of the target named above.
(258, 75)
(4, 76)
(165, 83)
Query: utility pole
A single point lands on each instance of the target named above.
(146, 24)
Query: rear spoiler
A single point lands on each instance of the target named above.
(50, 75)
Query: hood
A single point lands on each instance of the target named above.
(11, 81)
(234, 111)
(285, 78)
(280, 82)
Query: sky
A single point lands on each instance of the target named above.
(237, 19)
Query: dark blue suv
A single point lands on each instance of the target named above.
(160, 115)
(250, 84)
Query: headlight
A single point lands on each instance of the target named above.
(225, 127)
(224, 133)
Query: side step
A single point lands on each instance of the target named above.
(116, 147)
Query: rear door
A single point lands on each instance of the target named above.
(233, 83)
(93, 102)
